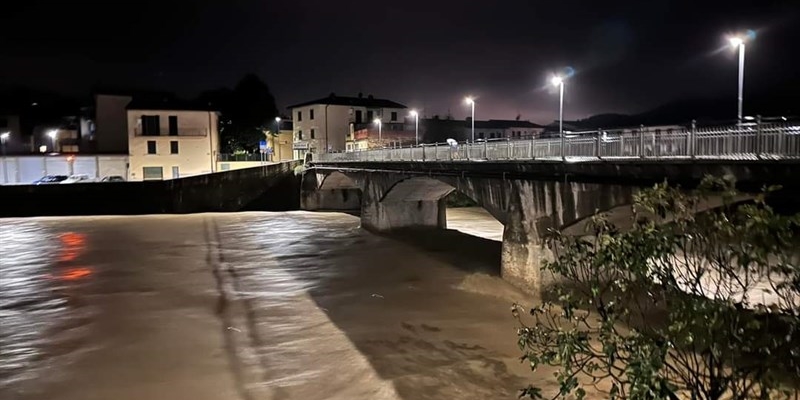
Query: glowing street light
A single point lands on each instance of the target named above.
(3, 138)
(53, 133)
(277, 125)
(415, 114)
(469, 100)
(378, 122)
(737, 43)
(559, 81)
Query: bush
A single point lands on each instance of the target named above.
(686, 304)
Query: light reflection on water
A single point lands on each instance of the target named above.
(39, 268)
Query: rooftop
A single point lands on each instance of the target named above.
(360, 101)
(167, 103)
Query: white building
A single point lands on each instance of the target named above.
(324, 125)
(170, 139)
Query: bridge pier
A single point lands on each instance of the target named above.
(331, 200)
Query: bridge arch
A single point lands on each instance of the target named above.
(338, 180)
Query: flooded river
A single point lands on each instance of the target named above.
(254, 306)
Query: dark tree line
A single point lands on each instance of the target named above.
(247, 111)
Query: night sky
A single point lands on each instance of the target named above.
(628, 57)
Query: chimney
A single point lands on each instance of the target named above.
(360, 95)
(370, 97)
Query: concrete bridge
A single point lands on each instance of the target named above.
(530, 195)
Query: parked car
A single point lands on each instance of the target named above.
(50, 179)
(82, 178)
(113, 178)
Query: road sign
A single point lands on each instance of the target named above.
(262, 146)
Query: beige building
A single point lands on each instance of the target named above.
(281, 144)
(323, 125)
(168, 140)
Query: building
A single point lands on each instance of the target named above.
(323, 125)
(390, 136)
(281, 144)
(436, 130)
(169, 139)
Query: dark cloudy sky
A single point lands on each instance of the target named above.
(628, 55)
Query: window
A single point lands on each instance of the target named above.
(359, 116)
(173, 147)
(173, 125)
(311, 114)
(370, 116)
(151, 125)
(176, 172)
(151, 147)
(153, 173)
(299, 115)
(312, 134)
(394, 115)
(299, 135)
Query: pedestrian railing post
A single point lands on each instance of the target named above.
(485, 151)
(693, 140)
(563, 147)
(641, 141)
(508, 147)
(597, 143)
(530, 149)
(759, 137)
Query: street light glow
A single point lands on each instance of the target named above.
(413, 113)
(52, 133)
(277, 119)
(469, 100)
(557, 80)
(735, 41)
(5, 135)
(377, 121)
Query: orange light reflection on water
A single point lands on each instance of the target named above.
(72, 245)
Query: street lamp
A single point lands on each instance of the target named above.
(469, 100)
(415, 114)
(559, 81)
(737, 42)
(53, 134)
(3, 138)
(378, 122)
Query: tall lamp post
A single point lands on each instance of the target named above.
(415, 114)
(378, 122)
(53, 133)
(3, 138)
(559, 81)
(737, 43)
(277, 133)
(469, 100)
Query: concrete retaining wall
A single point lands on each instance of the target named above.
(270, 188)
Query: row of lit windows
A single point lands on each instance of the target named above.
(359, 116)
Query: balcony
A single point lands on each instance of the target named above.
(139, 131)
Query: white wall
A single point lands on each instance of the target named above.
(338, 123)
(26, 169)
(197, 149)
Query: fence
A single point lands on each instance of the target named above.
(749, 141)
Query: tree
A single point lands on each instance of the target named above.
(247, 112)
(686, 304)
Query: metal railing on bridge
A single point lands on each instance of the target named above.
(750, 141)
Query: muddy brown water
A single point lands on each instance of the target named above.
(254, 306)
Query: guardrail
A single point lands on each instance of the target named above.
(750, 141)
